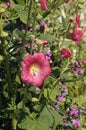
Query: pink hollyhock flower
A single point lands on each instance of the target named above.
(66, 53)
(35, 68)
(76, 123)
(43, 4)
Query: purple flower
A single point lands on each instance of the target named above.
(21, 27)
(48, 56)
(9, 4)
(78, 71)
(78, 63)
(20, 42)
(76, 123)
(74, 112)
(43, 26)
(56, 107)
(64, 118)
(30, 29)
(27, 45)
(60, 98)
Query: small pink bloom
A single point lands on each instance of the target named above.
(43, 4)
(60, 98)
(66, 53)
(44, 42)
(43, 27)
(35, 68)
(76, 123)
(9, 4)
(74, 112)
(77, 20)
(76, 35)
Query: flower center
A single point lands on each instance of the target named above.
(34, 69)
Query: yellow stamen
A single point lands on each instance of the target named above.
(34, 69)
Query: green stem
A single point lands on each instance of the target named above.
(65, 67)
(33, 26)
(14, 124)
(41, 93)
(27, 25)
(7, 67)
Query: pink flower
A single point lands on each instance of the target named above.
(43, 4)
(66, 53)
(74, 112)
(77, 33)
(35, 68)
(44, 42)
(77, 24)
(78, 71)
(76, 123)
(9, 4)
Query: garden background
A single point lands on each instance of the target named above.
(42, 65)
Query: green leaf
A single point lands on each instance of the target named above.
(48, 120)
(48, 37)
(53, 92)
(17, 79)
(60, 2)
(22, 13)
(18, 34)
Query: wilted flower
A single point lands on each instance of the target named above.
(76, 123)
(66, 53)
(43, 4)
(35, 68)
